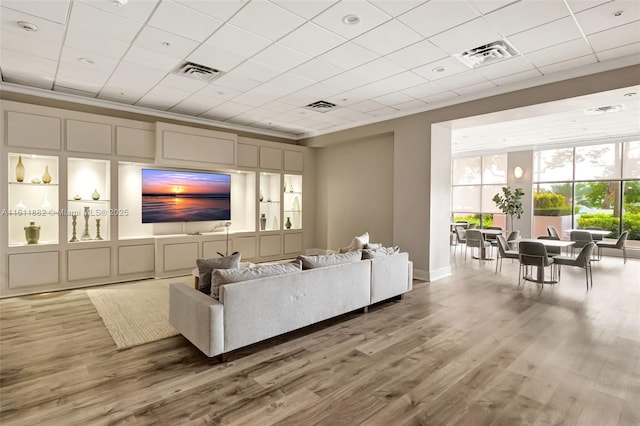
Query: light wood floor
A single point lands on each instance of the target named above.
(472, 349)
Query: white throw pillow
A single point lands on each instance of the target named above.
(357, 243)
(311, 262)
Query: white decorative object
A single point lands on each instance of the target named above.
(45, 203)
(20, 206)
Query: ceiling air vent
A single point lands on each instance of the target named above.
(321, 106)
(605, 109)
(197, 71)
(487, 54)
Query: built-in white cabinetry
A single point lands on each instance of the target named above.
(71, 196)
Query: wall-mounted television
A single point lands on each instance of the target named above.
(185, 196)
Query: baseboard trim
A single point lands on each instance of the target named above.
(437, 274)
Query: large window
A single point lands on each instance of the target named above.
(595, 186)
(475, 180)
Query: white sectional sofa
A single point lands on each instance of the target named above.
(261, 308)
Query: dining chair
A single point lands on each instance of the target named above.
(475, 239)
(461, 236)
(618, 245)
(512, 240)
(551, 251)
(504, 252)
(582, 261)
(533, 253)
(472, 226)
(492, 238)
(595, 237)
(553, 232)
(581, 239)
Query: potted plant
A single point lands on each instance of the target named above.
(510, 203)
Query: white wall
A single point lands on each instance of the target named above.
(523, 159)
(355, 192)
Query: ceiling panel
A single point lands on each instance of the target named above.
(615, 37)
(560, 52)
(417, 54)
(220, 9)
(348, 56)
(164, 42)
(135, 10)
(178, 19)
(332, 18)
(467, 36)
(526, 14)
(47, 30)
(547, 35)
(311, 39)
(608, 15)
(104, 24)
(388, 37)
(266, 19)
(20, 42)
(306, 9)
(438, 15)
(55, 11)
(90, 42)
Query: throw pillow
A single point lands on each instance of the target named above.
(311, 262)
(206, 267)
(227, 276)
(380, 252)
(357, 243)
(372, 246)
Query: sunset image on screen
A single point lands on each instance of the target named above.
(183, 196)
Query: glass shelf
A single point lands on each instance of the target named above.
(34, 184)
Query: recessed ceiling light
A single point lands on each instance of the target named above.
(87, 61)
(27, 26)
(119, 3)
(439, 69)
(618, 13)
(351, 19)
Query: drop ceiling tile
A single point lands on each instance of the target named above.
(164, 42)
(451, 66)
(29, 45)
(190, 108)
(388, 37)
(383, 111)
(410, 105)
(47, 30)
(486, 6)
(220, 9)
(348, 56)
(215, 57)
(349, 97)
(151, 59)
(14, 59)
(517, 77)
(72, 56)
(393, 99)
(370, 16)
(163, 97)
(579, 5)
(258, 96)
(603, 17)
(618, 52)
(547, 35)
(216, 90)
(505, 67)
(440, 97)
(280, 57)
(256, 71)
(27, 77)
(461, 80)
(266, 19)
(572, 63)
(183, 21)
(104, 24)
(237, 82)
(134, 77)
(316, 70)
(475, 88)
(135, 10)
(526, 14)
(438, 15)
(311, 40)
(423, 90)
(290, 82)
(345, 81)
(55, 11)
(366, 106)
(76, 77)
(77, 92)
(84, 40)
(615, 37)
(241, 42)
(228, 109)
(120, 94)
(467, 36)
(367, 91)
(417, 54)
(398, 82)
(378, 69)
(560, 52)
(278, 107)
(397, 7)
(307, 9)
(180, 82)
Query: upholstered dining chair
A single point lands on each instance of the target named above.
(582, 261)
(551, 251)
(595, 237)
(504, 252)
(618, 245)
(581, 239)
(553, 232)
(533, 253)
(461, 236)
(512, 240)
(475, 239)
(492, 238)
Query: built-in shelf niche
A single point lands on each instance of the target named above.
(89, 200)
(33, 200)
(270, 191)
(292, 201)
(243, 206)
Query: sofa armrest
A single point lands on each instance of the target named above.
(198, 317)
(390, 276)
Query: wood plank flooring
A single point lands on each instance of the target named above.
(471, 349)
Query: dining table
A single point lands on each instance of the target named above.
(547, 243)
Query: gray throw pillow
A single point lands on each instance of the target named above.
(206, 267)
(311, 262)
(228, 276)
(380, 252)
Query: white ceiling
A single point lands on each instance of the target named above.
(278, 56)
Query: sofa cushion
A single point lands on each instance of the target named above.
(311, 262)
(379, 252)
(206, 267)
(228, 276)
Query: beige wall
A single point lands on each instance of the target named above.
(414, 229)
(355, 192)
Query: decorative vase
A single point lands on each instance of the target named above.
(20, 170)
(32, 233)
(74, 223)
(85, 233)
(291, 188)
(261, 196)
(263, 221)
(288, 223)
(46, 177)
(95, 195)
(98, 237)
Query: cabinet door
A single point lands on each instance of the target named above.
(180, 256)
(84, 136)
(184, 146)
(270, 158)
(292, 243)
(246, 246)
(135, 142)
(136, 259)
(88, 263)
(22, 272)
(270, 245)
(33, 131)
(293, 161)
(247, 155)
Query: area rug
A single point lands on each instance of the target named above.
(135, 313)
